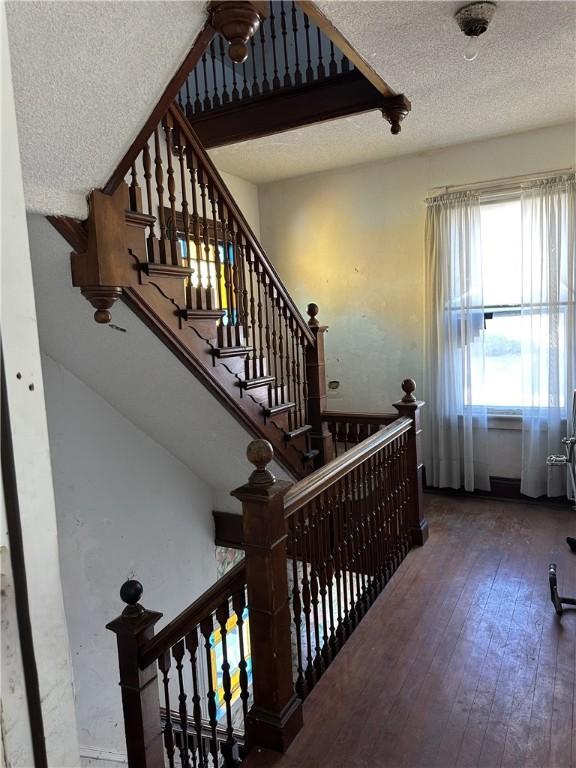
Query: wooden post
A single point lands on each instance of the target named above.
(276, 714)
(140, 697)
(410, 408)
(320, 436)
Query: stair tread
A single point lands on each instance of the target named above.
(280, 408)
(166, 270)
(259, 381)
(232, 351)
(291, 434)
(190, 313)
(308, 455)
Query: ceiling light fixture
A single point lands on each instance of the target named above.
(473, 19)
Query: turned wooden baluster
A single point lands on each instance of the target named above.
(332, 67)
(206, 104)
(239, 604)
(306, 595)
(147, 164)
(169, 746)
(206, 628)
(198, 302)
(235, 91)
(178, 652)
(192, 648)
(294, 547)
(320, 436)
(309, 68)
(167, 123)
(140, 695)
(297, 72)
(229, 749)
(283, 27)
(321, 72)
(265, 83)
(160, 193)
(276, 714)
(225, 94)
(255, 86)
(215, 96)
(275, 79)
(197, 100)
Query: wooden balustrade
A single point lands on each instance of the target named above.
(348, 429)
(288, 51)
(203, 658)
(235, 666)
(196, 230)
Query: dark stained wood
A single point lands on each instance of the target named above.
(276, 714)
(417, 524)
(204, 606)
(200, 45)
(72, 230)
(288, 108)
(313, 485)
(140, 697)
(315, 366)
(461, 661)
(237, 21)
(313, 12)
(228, 529)
(249, 237)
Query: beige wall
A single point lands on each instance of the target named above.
(352, 241)
(246, 196)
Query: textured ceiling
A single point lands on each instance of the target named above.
(523, 78)
(86, 77)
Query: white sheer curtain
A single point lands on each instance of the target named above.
(549, 332)
(456, 433)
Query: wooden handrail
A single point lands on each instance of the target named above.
(313, 485)
(192, 139)
(359, 418)
(190, 617)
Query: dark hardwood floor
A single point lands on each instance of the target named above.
(461, 661)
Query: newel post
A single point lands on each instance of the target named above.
(411, 408)
(320, 436)
(276, 714)
(140, 697)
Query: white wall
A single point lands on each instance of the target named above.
(352, 241)
(124, 504)
(34, 486)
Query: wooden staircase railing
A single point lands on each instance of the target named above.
(173, 244)
(317, 554)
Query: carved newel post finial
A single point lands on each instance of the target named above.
(394, 110)
(237, 21)
(260, 453)
(312, 311)
(409, 387)
(130, 593)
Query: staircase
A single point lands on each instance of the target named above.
(166, 237)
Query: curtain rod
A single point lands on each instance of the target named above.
(491, 185)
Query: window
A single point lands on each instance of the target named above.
(497, 374)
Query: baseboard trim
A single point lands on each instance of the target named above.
(502, 488)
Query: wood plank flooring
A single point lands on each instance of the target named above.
(461, 661)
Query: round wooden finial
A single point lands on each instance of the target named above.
(260, 453)
(130, 593)
(312, 311)
(102, 316)
(409, 387)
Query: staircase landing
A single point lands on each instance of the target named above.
(461, 661)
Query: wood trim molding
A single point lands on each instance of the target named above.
(318, 17)
(228, 530)
(72, 230)
(500, 488)
(170, 92)
(288, 108)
